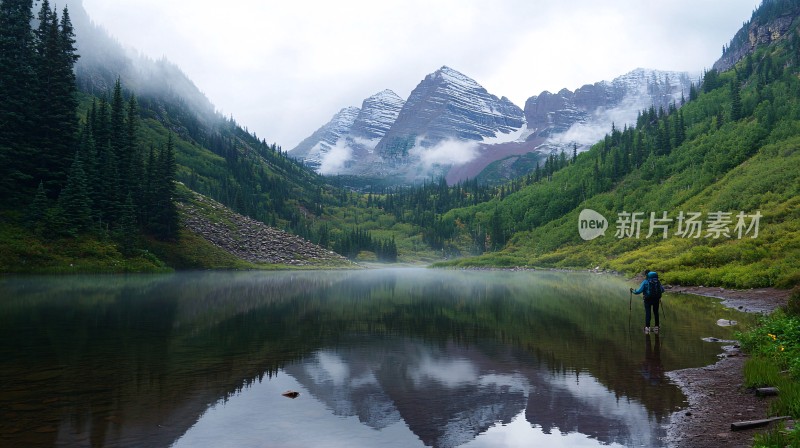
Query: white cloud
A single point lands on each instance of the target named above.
(368, 143)
(336, 158)
(446, 152)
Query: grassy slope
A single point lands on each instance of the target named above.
(745, 165)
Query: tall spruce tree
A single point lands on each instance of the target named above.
(135, 177)
(736, 100)
(55, 120)
(163, 223)
(37, 211)
(16, 81)
(118, 138)
(126, 231)
(74, 203)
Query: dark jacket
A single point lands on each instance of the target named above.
(645, 281)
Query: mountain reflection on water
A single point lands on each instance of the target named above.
(403, 357)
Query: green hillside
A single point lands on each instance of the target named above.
(733, 147)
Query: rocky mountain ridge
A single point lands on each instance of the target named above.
(351, 135)
(450, 125)
(447, 107)
(448, 104)
(600, 104)
(377, 115)
(314, 149)
(773, 21)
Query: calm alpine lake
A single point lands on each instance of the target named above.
(385, 357)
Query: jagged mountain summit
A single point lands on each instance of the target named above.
(440, 124)
(377, 115)
(351, 135)
(596, 106)
(317, 148)
(449, 105)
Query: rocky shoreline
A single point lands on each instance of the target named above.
(716, 393)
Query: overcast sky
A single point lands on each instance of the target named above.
(283, 68)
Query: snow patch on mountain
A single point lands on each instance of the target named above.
(505, 137)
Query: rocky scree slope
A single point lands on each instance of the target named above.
(252, 240)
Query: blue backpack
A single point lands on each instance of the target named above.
(653, 289)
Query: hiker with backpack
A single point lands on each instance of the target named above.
(652, 290)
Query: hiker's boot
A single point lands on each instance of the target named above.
(646, 330)
(655, 329)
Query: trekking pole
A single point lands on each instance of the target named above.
(630, 300)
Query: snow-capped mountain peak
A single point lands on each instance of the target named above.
(377, 115)
(314, 149)
(451, 125)
(449, 105)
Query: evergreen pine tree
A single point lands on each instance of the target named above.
(101, 124)
(56, 122)
(107, 180)
(679, 128)
(126, 231)
(88, 153)
(16, 81)
(393, 250)
(136, 176)
(164, 219)
(109, 185)
(73, 202)
(496, 233)
(118, 136)
(148, 203)
(37, 211)
(736, 101)
(710, 80)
